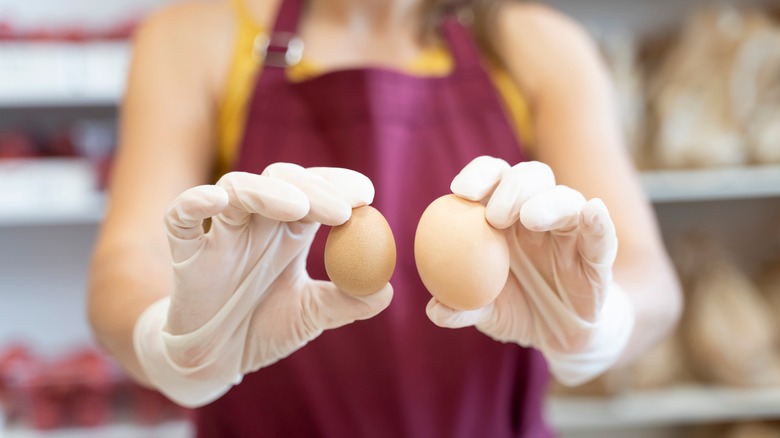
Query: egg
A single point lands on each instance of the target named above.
(462, 260)
(360, 254)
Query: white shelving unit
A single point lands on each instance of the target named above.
(674, 406)
(49, 191)
(173, 429)
(88, 210)
(712, 184)
(47, 229)
(740, 205)
(46, 191)
(46, 75)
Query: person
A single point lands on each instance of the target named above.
(249, 123)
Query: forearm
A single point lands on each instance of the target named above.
(652, 285)
(118, 294)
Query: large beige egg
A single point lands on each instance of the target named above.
(360, 254)
(461, 259)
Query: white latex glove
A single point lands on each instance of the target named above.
(242, 298)
(560, 297)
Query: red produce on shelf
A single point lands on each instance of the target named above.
(122, 31)
(13, 360)
(119, 31)
(74, 390)
(17, 144)
(5, 30)
(60, 144)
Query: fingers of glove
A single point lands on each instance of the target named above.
(479, 178)
(447, 317)
(556, 209)
(328, 204)
(598, 239)
(518, 185)
(327, 307)
(256, 194)
(356, 187)
(185, 216)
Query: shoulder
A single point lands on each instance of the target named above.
(187, 24)
(205, 19)
(540, 45)
(196, 38)
(538, 19)
(191, 40)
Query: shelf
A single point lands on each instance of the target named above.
(670, 407)
(89, 209)
(36, 74)
(65, 100)
(49, 191)
(663, 186)
(174, 429)
(712, 184)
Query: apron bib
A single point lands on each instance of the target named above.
(395, 375)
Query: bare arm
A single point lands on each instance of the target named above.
(578, 135)
(165, 147)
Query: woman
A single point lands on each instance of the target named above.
(390, 102)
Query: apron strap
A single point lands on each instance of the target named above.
(287, 17)
(281, 48)
(462, 46)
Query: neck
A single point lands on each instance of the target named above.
(371, 16)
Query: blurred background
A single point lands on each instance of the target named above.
(698, 84)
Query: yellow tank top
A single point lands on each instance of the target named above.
(244, 67)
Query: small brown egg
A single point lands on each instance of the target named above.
(462, 260)
(360, 254)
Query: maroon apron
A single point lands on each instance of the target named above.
(395, 375)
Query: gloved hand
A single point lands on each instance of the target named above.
(242, 298)
(559, 297)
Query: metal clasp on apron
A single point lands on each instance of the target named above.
(279, 49)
